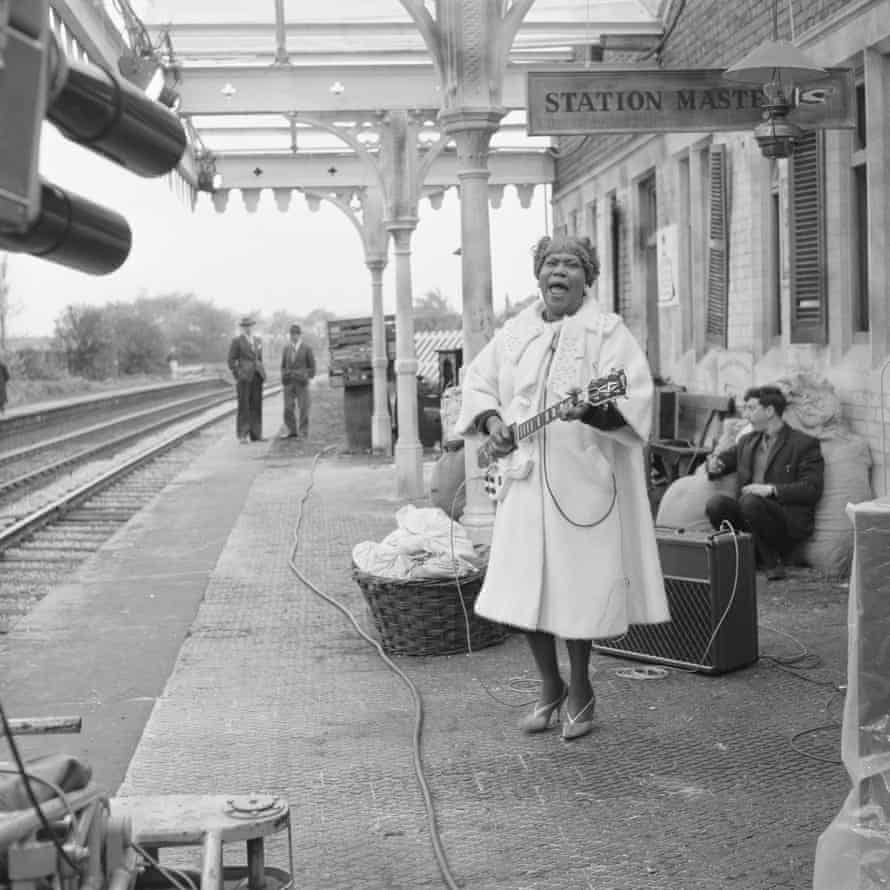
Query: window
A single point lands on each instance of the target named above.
(685, 257)
(615, 244)
(861, 322)
(648, 198)
(775, 263)
(573, 222)
(718, 249)
(809, 304)
(591, 222)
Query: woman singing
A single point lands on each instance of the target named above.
(573, 552)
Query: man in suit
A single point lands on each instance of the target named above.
(297, 369)
(779, 482)
(246, 365)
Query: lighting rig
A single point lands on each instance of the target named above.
(94, 107)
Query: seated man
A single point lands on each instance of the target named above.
(780, 475)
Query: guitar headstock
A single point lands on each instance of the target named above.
(604, 389)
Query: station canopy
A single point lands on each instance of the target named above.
(218, 45)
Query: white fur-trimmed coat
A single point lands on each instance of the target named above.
(573, 550)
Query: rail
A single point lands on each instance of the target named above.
(58, 507)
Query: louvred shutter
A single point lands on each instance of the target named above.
(718, 249)
(809, 309)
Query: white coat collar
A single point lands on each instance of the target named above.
(529, 324)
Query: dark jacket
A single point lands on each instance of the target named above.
(796, 468)
(297, 365)
(246, 358)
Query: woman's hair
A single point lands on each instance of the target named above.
(768, 395)
(579, 245)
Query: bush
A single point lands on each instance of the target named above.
(37, 364)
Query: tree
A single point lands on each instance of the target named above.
(511, 309)
(432, 312)
(195, 330)
(87, 340)
(8, 308)
(140, 344)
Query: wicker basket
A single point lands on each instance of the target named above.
(424, 616)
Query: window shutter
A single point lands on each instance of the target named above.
(718, 249)
(809, 310)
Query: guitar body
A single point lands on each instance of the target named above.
(501, 472)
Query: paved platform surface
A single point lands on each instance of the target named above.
(689, 782)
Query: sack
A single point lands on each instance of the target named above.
(684, 502)
(830, 547)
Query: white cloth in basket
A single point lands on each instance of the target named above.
(426, 544)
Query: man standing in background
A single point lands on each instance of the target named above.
(297, 369)
(246, 365)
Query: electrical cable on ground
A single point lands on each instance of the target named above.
(435, 838)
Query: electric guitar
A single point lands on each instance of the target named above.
(500, 472)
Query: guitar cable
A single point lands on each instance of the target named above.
(542, 404)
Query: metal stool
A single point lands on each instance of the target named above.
(209, 821)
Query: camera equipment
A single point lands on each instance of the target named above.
(91, 106)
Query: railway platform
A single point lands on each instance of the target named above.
(201, 663)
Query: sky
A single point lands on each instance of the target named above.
(261, 262)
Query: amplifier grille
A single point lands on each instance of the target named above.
(685, 637)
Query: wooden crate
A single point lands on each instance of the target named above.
(350, 348)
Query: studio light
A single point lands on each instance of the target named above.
(75, 232)
(108, 115)
(91, 106)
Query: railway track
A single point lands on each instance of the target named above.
(45, 535)
(24, 467)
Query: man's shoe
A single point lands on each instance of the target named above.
(288, 436)
(776, 573)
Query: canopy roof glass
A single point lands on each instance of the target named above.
(359, 31)
(208, 42)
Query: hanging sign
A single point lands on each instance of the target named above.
(633, 100)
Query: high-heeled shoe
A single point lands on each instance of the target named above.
(575, 727)
(540, 718)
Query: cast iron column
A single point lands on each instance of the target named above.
(381, 428)
(472, 131)
(408, 450)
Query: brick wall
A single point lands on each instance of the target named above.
(578, 155)
(717, 33)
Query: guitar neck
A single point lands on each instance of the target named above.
(524, 429)
(533, 424)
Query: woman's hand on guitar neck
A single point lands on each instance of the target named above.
(574, 410)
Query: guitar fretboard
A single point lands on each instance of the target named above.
(533, 424)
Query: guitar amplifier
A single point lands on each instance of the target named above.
(711, 590)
